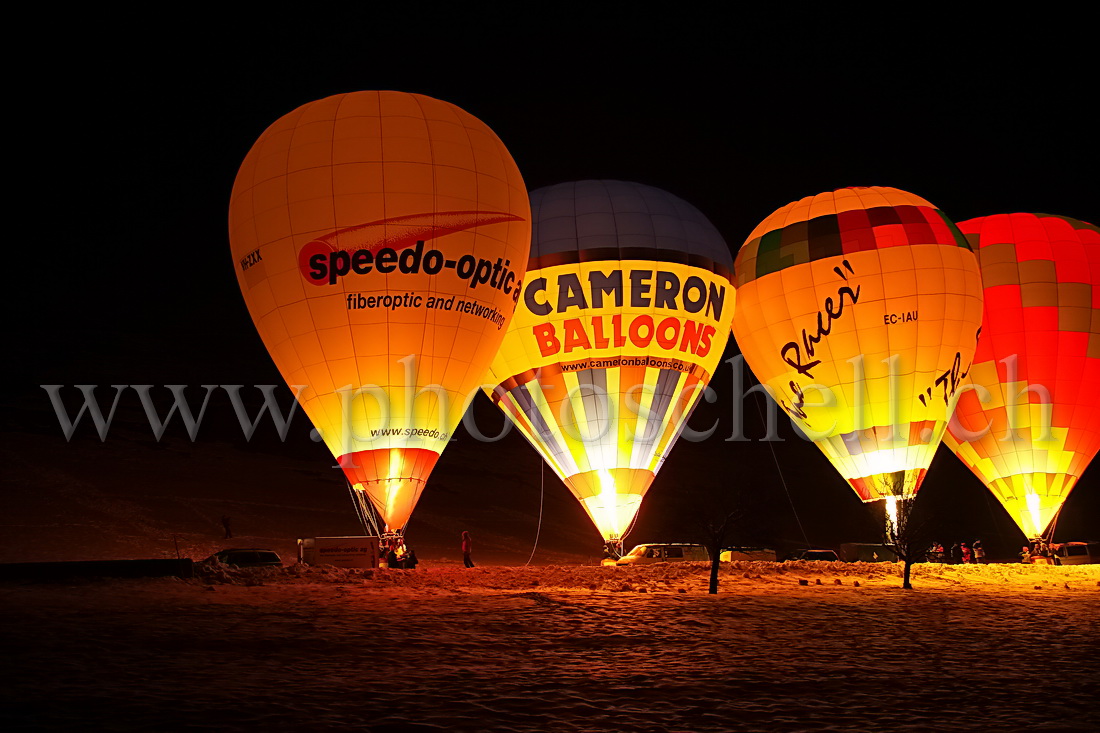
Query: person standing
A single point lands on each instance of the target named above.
(467, 548)
(227, 526)
(965, 553)
(979, 552)
(956, 554)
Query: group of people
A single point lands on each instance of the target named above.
(959, 554)
(1039, 551)
(398, 556)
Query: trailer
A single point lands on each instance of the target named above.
(730, 554)
(341, 552)
(861, 552)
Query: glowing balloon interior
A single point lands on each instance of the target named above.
(860, 310)
(380, 241)
(1031, 423)
(624, 316)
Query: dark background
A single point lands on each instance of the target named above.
(127, 134)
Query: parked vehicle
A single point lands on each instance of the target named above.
(341, 552)
(748, 553)
(247, 558)
(864, 552)
(812, 554)
(671, 552)
(1076, 553)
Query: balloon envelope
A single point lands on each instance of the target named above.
(860, 310)
(380, 240)
(1031, 424)
(624, 317)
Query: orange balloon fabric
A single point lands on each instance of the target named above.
(380, 240)
(1031, 424)
(860, 310)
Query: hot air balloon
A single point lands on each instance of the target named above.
(860, 311)
(380, 240)
(624, 316)
(1030, 425)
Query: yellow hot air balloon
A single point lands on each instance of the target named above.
(1031, 425)
(860, 310)
(380, 240)
(623, 319)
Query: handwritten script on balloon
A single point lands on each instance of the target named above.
(950, 380)
(793, 353)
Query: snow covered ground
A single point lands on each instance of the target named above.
(561, 648)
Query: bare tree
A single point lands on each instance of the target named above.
(717, 515)
(715, 533)
(908, 531)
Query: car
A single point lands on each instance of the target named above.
(246, 558)
(664, 552)
(813, 555)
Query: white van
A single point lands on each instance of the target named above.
(674, 552)
(1076, 553)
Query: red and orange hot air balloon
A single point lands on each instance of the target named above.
(380, 240)
(1030, 423)
(860, 310)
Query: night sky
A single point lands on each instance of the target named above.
(126, 147)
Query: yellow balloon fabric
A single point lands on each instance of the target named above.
(380, 240)
(624, 316)
(860, 310)
(1030, 426)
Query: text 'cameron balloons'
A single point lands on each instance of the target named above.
(1031, 423)
(380, 241)
(624, 316)
(860, 310)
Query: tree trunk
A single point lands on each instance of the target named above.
(905, 581)
(715, 555)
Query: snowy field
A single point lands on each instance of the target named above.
(991, 648)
